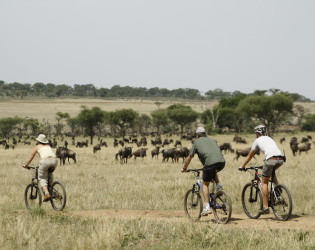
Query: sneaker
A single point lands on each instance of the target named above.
(46, 197)
(265, 210)
(206, 211)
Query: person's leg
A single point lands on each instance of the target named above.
(43, 178)
(205, 190)
(265, 181)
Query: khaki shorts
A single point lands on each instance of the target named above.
(269, 165)
(43, 173)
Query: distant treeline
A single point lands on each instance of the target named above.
(50, 90)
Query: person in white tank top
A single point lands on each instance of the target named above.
(273, 160)
(48, 160)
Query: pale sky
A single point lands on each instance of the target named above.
(233, 45)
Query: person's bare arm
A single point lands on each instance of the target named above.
(188, 159)
(31, 157)
(248, 158)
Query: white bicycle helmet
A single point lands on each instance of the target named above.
(260, 129)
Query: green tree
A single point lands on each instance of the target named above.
(268, 110)
(59, 126)
(32, 124)
(123, 119)
(7, 125)
(89, 118)
(159, 119)
(309, 124)
(181, 115)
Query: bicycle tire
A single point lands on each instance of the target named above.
(33, 197)
(58, 196)
(252, 201)
(223, 207)
(281, 204)
(193, 205)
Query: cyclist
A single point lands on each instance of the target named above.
(273, 160)
(48, 159)
(211, 158)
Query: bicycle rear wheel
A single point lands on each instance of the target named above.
(33, 197)
(58, 196)
(281, 202)
(252, 201)
(222, 209)
(193, 205)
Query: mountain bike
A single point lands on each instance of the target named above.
(279, 198)
(220, 201)
(33, 195)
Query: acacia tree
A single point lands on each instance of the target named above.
(59, 126)
(89, 118)
(268, 110)
(7, 125)
(123, 119)
(32, 124)
(181, 115)
(159, 119)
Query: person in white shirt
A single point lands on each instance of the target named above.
(48, 160)
(273, 160)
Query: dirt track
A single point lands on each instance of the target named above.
(266, 222)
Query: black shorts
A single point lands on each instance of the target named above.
(210, 171)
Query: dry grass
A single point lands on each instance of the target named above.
(98, 181)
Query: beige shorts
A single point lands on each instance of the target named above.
(269, 165)
(43, 173)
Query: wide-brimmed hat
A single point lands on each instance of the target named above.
(42, 138)
(200, 130)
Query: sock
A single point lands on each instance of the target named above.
(219, 185)
(207, 205)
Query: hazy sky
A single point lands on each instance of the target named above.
(232, 45)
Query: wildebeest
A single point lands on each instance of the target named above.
(62, 153)
(181, 153)
(124, 154)
(177, 143)
(294, 145)
(304, 147)
(96, 148)
(168, 153)
(115, 143)
(282, 140)
(155, 152)
(82, 143)
(141, 152)
(242, 152)
(239, 139)
(103, 143)
(226, 147)
(121, 143)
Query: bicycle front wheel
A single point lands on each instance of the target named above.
(193, 205)
(58, 196)
(222, 208)
(252, 201)
(281, 202)
(33, 197)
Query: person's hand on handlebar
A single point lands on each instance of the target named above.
(184, 170)
(241, 169)
(25, 166)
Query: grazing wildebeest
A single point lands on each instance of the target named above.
(282, 140)
(155, 151)
(96, 148)
(242, 152)
(126, 140)
(3, 142)
(177, 143)
(63, 153)
(103, 143)
(165, 142)
(121, 143)
(124, 154)
(181, 153)
(294, 145)
(239, 139)
(141, 152)
(168, 153)
(304, 147)
(115, 143)
(82, 143)
(226, 147)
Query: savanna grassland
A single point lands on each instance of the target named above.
(122, 196)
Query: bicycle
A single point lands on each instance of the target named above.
(220, 201)
(33, 196)
(279, 200)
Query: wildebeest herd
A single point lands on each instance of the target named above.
(169, 148)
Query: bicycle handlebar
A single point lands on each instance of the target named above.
(30, 167)
(252, 168)
(195, 170)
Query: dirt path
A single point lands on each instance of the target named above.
(267, 222)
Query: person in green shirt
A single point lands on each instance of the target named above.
(212, 160)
